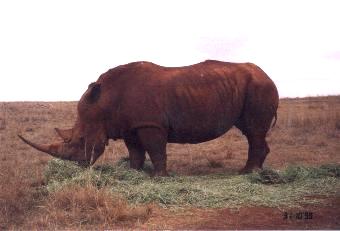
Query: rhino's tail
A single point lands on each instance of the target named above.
(275, 119)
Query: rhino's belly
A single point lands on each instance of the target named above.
(198, 134)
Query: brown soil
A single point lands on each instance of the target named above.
(307, 217)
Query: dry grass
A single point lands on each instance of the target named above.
(310, 114)
(307, 133)
(17, 197)
(88, 207)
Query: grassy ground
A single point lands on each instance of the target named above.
(38, 193)
(266, 188)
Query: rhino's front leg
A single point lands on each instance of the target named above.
(136, 153)
(154, 142)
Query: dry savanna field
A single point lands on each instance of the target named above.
(298, 189)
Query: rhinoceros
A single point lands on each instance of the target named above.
(148, 106)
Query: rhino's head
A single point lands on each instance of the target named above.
(86, 141)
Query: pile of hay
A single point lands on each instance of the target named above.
(265, 188)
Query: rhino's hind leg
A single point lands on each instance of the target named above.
(260, 108)
(255, 128)
(257, 152)
(154, 142)
(136, 153)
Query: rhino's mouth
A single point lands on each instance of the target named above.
(84, 163)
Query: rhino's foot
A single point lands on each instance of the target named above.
(159, 173)
(247, 170)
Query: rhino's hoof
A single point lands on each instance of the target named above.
(248, 170)
(160, 174)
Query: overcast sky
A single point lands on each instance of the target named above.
(52, 50)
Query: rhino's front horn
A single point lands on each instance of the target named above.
(52, 149)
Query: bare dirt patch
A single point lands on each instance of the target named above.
(325, 216)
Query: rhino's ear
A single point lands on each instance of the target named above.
(93, 92)
(65, 134)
